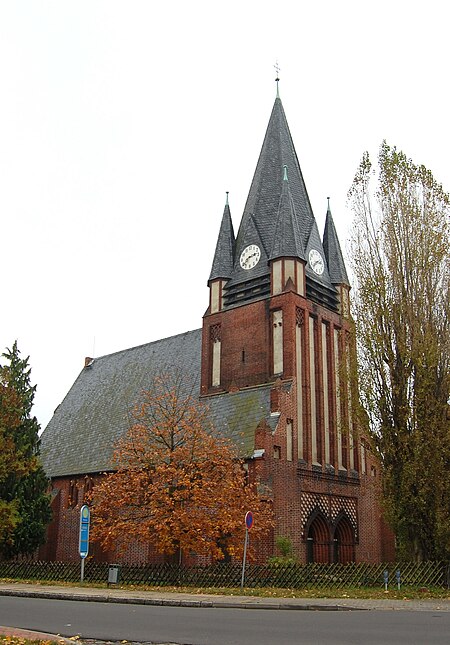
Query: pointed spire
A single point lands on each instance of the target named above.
(265, 191)
(278, 218)
(287, 240)
(333, 253)
(222, 266)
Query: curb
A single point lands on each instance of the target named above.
(32, 635)
(169, 602)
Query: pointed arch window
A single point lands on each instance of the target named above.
(215, 353)
(299, 358)
(277, 341)
(73, 494)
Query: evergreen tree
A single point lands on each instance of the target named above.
(23, 483)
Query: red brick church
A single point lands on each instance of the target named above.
(272, 362)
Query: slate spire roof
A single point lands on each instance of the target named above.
(333, 253)
(287, 239)
(265, 191)
(222, 266)
(277, 217)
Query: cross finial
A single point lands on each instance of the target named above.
(328, 203)
(277, 80)
(226, 203)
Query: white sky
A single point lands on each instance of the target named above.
(122, 124)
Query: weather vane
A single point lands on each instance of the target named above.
(277, 69)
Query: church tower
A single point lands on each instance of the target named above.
(279, 299)
(279, 316)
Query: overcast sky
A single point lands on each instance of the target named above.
(123, 124)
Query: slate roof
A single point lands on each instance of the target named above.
(287, 239)
(333, 253)
(260, 221)
(222, 266)
(264, 196)
(96, 411)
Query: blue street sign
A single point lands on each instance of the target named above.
(85, 518)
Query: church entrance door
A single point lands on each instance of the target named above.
(344, 542)
(318, 541)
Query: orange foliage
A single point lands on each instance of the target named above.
(177, 485)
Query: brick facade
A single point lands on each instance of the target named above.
(343, 491)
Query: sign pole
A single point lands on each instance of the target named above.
(83, 542)
(248, 526)
(244, 559)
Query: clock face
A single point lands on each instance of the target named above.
(250, 256)
(316, 261)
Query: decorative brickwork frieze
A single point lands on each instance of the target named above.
(215, 333)
(299, 317)
(331, 507)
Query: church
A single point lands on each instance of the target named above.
(272, 362)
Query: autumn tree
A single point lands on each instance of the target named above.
(400, 251)
(24, 499)
(177, 484)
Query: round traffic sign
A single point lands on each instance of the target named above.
(249, 519)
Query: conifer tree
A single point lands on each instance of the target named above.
(23, 484)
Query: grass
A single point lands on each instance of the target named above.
(15, 640)
(370, 593)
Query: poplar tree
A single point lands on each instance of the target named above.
(23, 484)
(401, 266)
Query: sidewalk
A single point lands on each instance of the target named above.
(140, 597)
(92, 594)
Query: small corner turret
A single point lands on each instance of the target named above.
(223, 261)
(336, 264)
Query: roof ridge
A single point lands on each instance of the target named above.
(152, 342)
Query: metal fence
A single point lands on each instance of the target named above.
(318, 576)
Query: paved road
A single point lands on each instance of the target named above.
(224, 626)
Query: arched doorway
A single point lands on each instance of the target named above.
(318, 540)
(344, 541)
